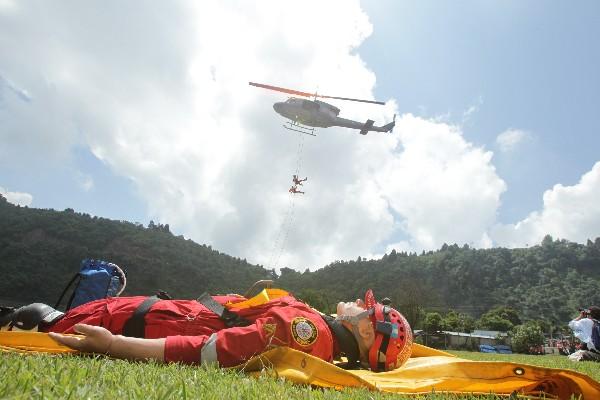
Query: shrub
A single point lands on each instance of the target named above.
(527, 336)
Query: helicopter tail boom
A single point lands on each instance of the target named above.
(389, 127)
(368, 126)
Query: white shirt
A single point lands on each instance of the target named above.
(582, 330)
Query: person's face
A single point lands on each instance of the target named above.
(365, 331)
(350, 308)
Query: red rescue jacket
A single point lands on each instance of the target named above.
(196, 335)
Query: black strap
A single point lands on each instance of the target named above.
(163, 295)
(385, 342)
(346, 342)
(230, 319)
(383, 349)
(65, 291)
(7, 315)
(135, 326)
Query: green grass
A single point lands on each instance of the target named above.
(72, 377)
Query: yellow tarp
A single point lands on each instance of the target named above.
(28, 342)
(426, 371)
(431, 373)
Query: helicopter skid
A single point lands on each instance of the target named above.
(299, 128)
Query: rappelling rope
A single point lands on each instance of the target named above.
(276, 243)
(299, 155)
(288, 221)
(287, 231)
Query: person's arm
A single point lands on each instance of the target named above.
(100, 340)
(226, 348)
(582, 328)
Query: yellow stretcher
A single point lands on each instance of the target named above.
(427, 370)
(422, 375)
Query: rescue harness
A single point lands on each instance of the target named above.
(347, 343)
(348, 346)
(135, 326)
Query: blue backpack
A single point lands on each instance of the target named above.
(96, 279)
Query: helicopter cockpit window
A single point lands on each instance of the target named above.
(309, 105)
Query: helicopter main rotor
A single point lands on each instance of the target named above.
(306, 94)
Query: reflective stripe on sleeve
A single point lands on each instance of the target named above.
(208, 354)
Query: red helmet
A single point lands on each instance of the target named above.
(393, 336)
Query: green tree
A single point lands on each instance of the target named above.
(466, 323)
(451, 321)
(526, 336)
(432, 322)
(458, 322)
(317, 300)
(499, 319)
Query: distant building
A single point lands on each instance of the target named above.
(490, 333)
(464, 341)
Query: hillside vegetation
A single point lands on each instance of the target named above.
(41, 249)
(546, 282)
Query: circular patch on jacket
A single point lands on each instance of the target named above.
(304, 331)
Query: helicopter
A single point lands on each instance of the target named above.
(306, 115)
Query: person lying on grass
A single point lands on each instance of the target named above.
(368, 333)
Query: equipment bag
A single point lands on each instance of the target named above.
(95, 280)
(596, 335)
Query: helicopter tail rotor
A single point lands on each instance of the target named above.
(389, 127)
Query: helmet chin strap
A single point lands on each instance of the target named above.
(354, 321)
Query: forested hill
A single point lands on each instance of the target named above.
(545, 282)
(41, 249)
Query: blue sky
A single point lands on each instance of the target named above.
(143, 112)
(530, 65)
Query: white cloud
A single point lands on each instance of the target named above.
(86, 182)
(444, 188)
(510, 139)
(160, 94)
(20, 93)
(474, 108)
(17, 198)
(7, 6)
(569, 212)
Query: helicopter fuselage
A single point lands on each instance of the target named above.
(308, 112)
(316, 113)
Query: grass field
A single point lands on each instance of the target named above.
(72, 377)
